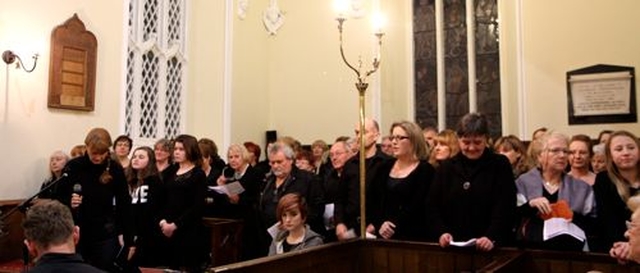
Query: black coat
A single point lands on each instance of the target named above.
(182, 202)
(307, 184)
(347, 206)
(402, 202)
(96, 216)
(473, 198)
(610, 209)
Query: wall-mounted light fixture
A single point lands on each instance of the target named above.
(9, 57)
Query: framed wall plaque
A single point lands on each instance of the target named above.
(602, 94)
(72, 68)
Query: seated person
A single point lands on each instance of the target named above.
(57, 160)
(51, 237)
(548, 192)
(294, 234)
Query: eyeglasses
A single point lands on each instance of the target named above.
(398, 138)
(556, 151)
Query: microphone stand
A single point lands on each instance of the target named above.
(27, 203)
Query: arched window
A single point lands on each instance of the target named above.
(156, 70)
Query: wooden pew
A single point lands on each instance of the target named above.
(11, 237)
(379, 256)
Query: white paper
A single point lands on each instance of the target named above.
(559, 226)
(350, 234)
(273, 230)
(470, 242)
(328, 216)
(229, 189)
(369, 236)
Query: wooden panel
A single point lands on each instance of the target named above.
(11, 240)
(394, 256)
(72, 67)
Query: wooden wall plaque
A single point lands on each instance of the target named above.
(72, 68)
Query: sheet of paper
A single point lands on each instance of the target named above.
(559, 226)
(229, 189)
(470, 242)
(328, 216)
(350, 234)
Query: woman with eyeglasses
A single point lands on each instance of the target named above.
(401, 186)
(547, 194)
(613, 189)
(472, 198)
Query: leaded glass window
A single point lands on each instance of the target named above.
(154, 95)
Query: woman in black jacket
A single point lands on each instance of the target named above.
(183, 196)
(94, 182)
(401, 186)
(473, 195)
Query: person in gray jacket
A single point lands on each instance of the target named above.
(293, 233)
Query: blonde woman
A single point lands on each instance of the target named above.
(613, 188)
(445, 146)
(511, 147)
(401, 186)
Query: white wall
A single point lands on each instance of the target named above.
(556, 37)
(294, 82)
(29, 131)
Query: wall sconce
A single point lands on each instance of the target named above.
(9, 57)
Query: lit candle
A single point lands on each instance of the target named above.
(378, 22)
(341, 7)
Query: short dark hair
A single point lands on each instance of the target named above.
(48, 223)
(473, 124)
(123, 138)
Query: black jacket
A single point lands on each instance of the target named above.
(307, 184)
(402, 201)
(58, 262)
(473, 198)
(96, 216)
(347, 206)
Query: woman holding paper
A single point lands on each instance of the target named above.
(546, 193)
(242, 205)
(613, 188)
(473, 195)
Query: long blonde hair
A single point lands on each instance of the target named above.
(622, 185)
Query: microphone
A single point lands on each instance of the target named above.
(77, 189)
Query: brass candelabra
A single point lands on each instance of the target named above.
(361, 86)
